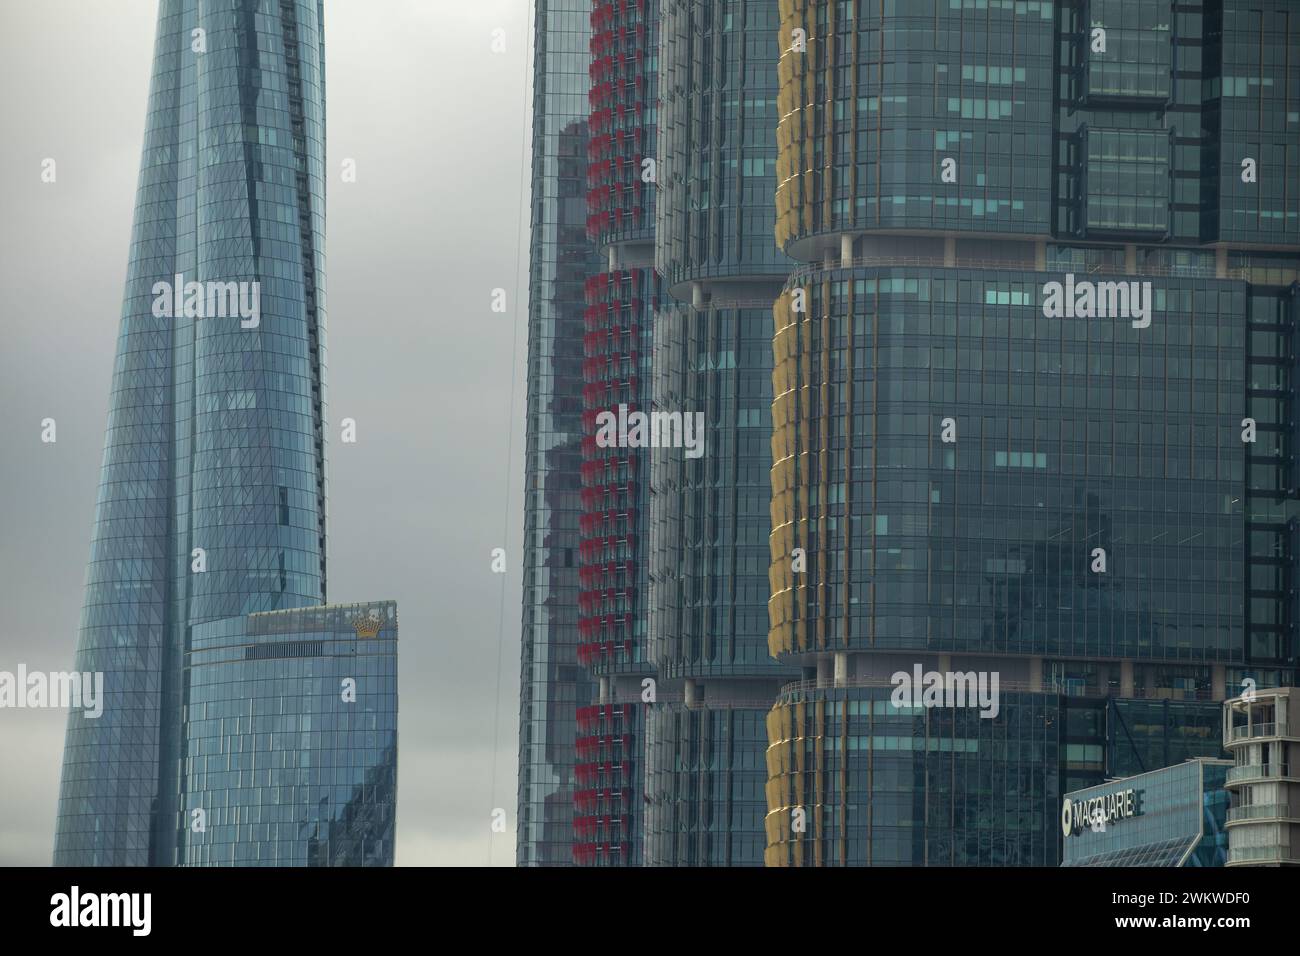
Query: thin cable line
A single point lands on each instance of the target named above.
(525, 162)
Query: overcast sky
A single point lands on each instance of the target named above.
(436, 123)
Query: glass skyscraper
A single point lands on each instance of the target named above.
(617, 343)
(709, 512)
(553, 683)
(661, 554)
(292, 738)
(221, 740)
(1094, 502)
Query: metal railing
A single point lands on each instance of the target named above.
(1254, 730)
(1255, 854)
(1046, 686)
(727, 703)
(1258, 772)
(1262, 811)
(734, 304)
(717, 701)
(803, 686)
(1013, 265)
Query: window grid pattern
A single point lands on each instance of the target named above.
(1126, 182)
(619, 321)
(1071, 435)
(709, 523)
(880, 785)
(215, 437)
(1252, 92)
(292, 760)
(717, 102)
(1137, 61)
(880, 99)
(552, 681)
(705, 786)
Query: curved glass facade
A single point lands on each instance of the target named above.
(882, 785)
(614, 577)
(878, 101)
(212, 501)
(609, 775)
(623, 124)
(215, 435)
(619, 323)
(292, 739)
(553, 683)
(1261, 734)
(717, 102)
(709, 525)
(970, 479)
(1068, 435)
(712, 359)
(709, 514)
(704, 782)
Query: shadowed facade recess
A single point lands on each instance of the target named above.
(617, 343)
(553, 683)
(953, 457)
(212, 500)
(712, 355)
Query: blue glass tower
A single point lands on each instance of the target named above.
(553, 682)
(212, 499)
(291, 740)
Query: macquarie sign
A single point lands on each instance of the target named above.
(1095, 813)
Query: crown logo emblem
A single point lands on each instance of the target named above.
(367, 626)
